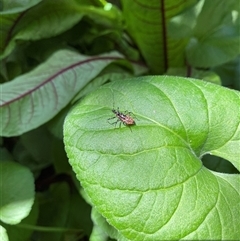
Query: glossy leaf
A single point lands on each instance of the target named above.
(51, 18)
(3, 234)
(148, 181)
(15, 6)
(34, 98)
(46, 19)
(147, 23)
(19, 232)
(17, 203)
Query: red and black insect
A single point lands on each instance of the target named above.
(123, 117)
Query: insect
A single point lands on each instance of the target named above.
(122, 117)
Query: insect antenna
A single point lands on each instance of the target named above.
(113, 99)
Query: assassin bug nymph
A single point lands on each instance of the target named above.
(122, 117)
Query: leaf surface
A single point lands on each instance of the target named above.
(149, 183)
(15, 6)
(51, 18)
(3, 234)
(217, 41)
(34, 98)
(44, 20)
(147, 22)
(17, 203)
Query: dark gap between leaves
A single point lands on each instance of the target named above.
(218, 164)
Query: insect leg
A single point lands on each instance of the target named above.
(130, 128)
(113, 123)
(111, 119)
(116, 123)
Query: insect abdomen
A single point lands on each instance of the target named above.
(128, 120)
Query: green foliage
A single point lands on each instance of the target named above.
(19, 180)
(217, 41)
(131, 180)
(61, 79)
(172, 175)
(148, 24)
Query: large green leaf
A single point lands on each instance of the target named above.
(34, 98)
(147, 22)
(148, 181)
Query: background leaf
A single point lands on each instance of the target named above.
(147, 23)
(15, 6)
(23, 230)
(215, 42)
(102, 229)
(15, 205)
(230, 73)
(150, 183)
(34, 98)
(41, 22)
(3, 234)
